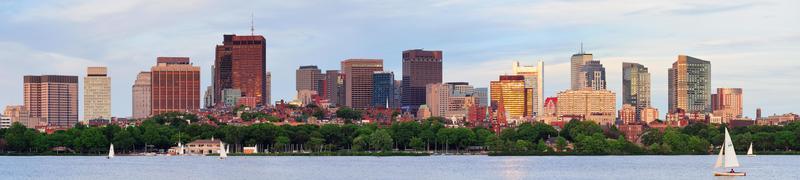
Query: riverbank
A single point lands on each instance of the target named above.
(341, 153)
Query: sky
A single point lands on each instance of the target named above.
(751, 44)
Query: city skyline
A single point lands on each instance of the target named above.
(731, 53)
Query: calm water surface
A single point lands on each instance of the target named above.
(433, 167)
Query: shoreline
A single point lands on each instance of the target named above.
(400, 154)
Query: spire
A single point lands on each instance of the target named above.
(252, 25)
(582, 52)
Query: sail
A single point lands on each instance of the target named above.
(222, 152)
(111, 151)
(720, 158)
(750, 150)
(730, 152)
(180, 148)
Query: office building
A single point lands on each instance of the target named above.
(382, 89)
(358, 81)
(577, 77)
(241, 64)
(727, 103)
(307, 78)
(534, 79)
(689, 86)
(333, 87)
(593, 105)
(142, 93)
(510, 92)
(420, 68)
(627, 115)
(636, 87)
(175, 84)
(53, 98)
(96, 94)
(594, 75)
(18, 113)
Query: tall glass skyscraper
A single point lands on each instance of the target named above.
(636, 87)
(690, 85)
(382, 89)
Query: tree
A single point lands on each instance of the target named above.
(348, 113)
(523, 145)
(315, 143)
(281, 143)
(381, 140)
(417, 143)
(361, 143)
(542, 146)
(19, 138)
(124, 140)
(92, 140)
(561, 144)
(785, 139)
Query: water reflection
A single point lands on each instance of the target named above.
(514, 167)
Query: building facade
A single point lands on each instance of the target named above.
(510, 92)
(689, 87)
(534, 79)
(594, 75)
(142, 96)
(175, 84)
(593, 105)
(96, 94)
(627, 115)
(577, 78)
(382, 89)
(334, 86)
(358, 81)
(53, 98)
(636, 87)
(648, 115)
(18, 113)
(241, 64)
(307, 78)
(727, 103)
(420, 68)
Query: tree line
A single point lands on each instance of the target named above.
(577, 137)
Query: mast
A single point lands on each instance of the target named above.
(730, 152)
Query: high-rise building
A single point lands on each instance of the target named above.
(627, 114)
(534, 79)
(230, 97)
(636, 87)
(53, 98)
(727, 103)
(96, 94)
(358, 81)
(241, 64)
(208, 97)
(482, 97)
(450, 100)
(578, 79)
(382, 89)
(333, 86)
(510, 92)
(307, 78)
(595, 75)
(437, 98)
(397, 94)
(420, 68)
(175, 86)
(593, 105)
(142, 96)
(689, 85)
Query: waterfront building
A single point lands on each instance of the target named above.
(203, 146)
(689, 85)
(96, 94)
(534, 79)
(420, 68)
(53, 98)
(636, 87)
(727, 103)
(358, 81)
(5, 122)
(382, 89)
(142, 95)
(593, 105)
(175, 84)
(240, 63)
(307, 78)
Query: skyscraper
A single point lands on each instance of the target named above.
(420, 68)
(96, 94)
(334, 83)
(534, 79)
(241, 64)
(358, 81)
(636, 87)
(594, 75)
(452, 99)
(510, 92)
(142, 96)
(578, 79)
(727, 103)
(53, 98)
(175, 86)
(482, 96)
(307, 78)
(268, 91)
(382, 89)
(689, 85)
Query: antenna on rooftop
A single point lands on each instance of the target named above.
(582, 52)
(252, 25)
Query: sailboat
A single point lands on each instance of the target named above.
(727, 158)
(223, 152)
(110, 152)
(180, 148)
(750, 151)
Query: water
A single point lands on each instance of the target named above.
(433, 167)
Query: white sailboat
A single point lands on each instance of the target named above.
(223, 152)
(727, 158)
(180, 148)
(750, 151)
(110, 151)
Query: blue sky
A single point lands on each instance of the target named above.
(751, 44)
